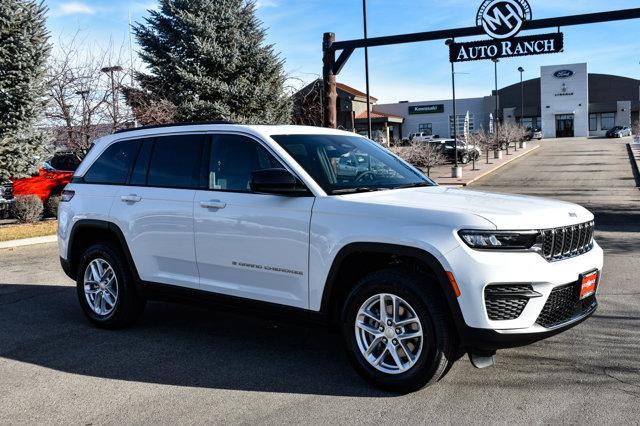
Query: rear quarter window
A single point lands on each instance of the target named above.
(114, 165)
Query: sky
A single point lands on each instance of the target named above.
(410, 72)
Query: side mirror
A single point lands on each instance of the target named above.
(278, 182)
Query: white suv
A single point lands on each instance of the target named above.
(415, 275)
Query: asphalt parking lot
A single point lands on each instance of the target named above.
(186, 365)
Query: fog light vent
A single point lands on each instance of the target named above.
(506, 302)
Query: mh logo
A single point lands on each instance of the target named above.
(502, 19)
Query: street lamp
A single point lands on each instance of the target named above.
(495, 64)
(111, 71)
(366, 70)
(456, 172)
(521, 100)
(85, 112)
(521, 95)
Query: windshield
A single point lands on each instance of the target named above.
(348, 164)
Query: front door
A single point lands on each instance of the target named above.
(564, 126)
(250, 245)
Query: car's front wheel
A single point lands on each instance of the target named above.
(397, 332)
(105, 288)
(464, 159)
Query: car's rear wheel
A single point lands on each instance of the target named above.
(396, 331)
(105, 288)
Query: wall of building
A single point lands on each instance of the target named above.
(580, 94)
(564, 95)
(439, 121)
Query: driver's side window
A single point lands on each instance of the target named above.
(233, 159)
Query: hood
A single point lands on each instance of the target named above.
(506, 212)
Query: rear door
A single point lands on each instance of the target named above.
(156, 209)
(250, 245)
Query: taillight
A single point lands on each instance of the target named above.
(67, 196)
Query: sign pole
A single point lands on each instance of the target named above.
(329, 82)
(495, 124)
(457, 173)
(366, 66)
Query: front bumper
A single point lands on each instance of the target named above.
(5, 204)
(481, 339)
(476, 270)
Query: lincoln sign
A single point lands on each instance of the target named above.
(502, 20)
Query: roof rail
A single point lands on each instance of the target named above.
(160, 126)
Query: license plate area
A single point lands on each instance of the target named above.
(588, 284)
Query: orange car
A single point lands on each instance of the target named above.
(50, 179)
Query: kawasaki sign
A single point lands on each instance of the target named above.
(426, 109)
(502, 20)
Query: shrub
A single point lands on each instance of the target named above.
(27, 208)
(51, 206)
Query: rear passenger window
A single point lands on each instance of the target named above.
(176, 161)
(114, 165)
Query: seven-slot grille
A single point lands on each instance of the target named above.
(566, 242)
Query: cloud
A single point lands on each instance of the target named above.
(75, 8)
(261, 4)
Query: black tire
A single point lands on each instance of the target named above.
(438, 344)
(128, 306)
(464, 159)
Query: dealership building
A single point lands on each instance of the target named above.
(565, 101)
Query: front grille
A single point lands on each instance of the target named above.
(563, 305)
(506, 302)
(567, 242)
(6, 191)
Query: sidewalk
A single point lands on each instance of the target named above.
(28, 242)
(442, 174)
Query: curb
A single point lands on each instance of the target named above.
(488, 172)
(634, 153)
(28, 242)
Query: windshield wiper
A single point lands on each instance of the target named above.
(356, 190)
(414, 185)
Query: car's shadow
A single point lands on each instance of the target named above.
(175, 345)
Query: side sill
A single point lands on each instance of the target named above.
(237, 305)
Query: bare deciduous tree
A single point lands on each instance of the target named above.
(510, 132)
(425, 156)
(307, 105)
(483, 140)
(81, 96)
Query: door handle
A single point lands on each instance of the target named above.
(213, 204)
(131, 198)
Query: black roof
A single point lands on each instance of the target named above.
(160, 126)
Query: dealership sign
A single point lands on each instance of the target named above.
(502, 20)
(426, 109)
(563, 74)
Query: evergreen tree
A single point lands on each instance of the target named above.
(23, 54)
(210, 60)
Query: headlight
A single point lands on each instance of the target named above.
(500, 240)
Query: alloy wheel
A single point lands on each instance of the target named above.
(389, 333)
(101, 287)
